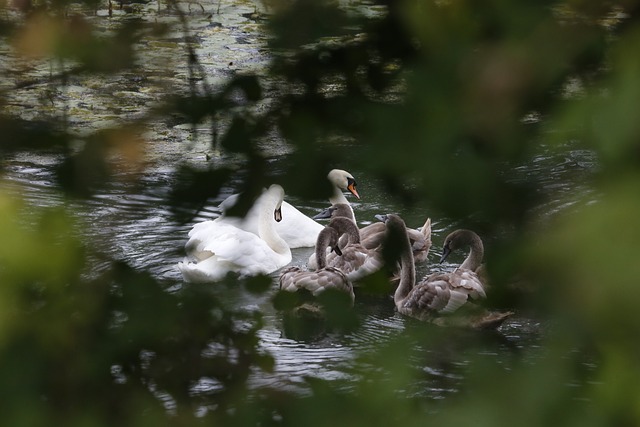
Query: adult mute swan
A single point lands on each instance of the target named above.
(218, 248)
(297, 229)
(436, 297)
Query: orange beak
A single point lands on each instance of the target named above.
(352, 188)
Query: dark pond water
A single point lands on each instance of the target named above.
(140, 229)
(132, 222)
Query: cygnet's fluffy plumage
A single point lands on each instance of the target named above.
(372, 235)
(294, 279)
(355, 261)
(440, 295)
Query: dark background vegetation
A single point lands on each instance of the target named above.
(447, 96)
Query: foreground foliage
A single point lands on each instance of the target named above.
(470, 89)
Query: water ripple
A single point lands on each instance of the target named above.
(135, 225)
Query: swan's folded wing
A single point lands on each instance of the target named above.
(426, 300)
(229, 202)
(200, 235)
(420, 241)
(245, 251)
(312, 262)
(315, 282)
(467, 281)
(372, 235)
(445, 293)
(297, 229)
(426, 230)
(356, 262)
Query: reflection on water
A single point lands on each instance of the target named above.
(133, 224)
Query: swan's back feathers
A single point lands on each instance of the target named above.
(420, 241)
(449, 293)
(324, 279)
(460, 279)
(423, 298)
(198, 237)
(445, 293)
(297, 229)
(426, 229)
(294, 279)
(356, 262)
(226, 248)
(468, 281)
(372, 236)
(245, 250)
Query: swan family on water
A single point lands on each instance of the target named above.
(261, 243)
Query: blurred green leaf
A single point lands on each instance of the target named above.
(194, 188)
(443, 102)
(258, 284)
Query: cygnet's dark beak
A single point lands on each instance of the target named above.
(381, 218)
(445, 253)
(325, 214)
(277, 214)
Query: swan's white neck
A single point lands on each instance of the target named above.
(338, 196)
(267, 228)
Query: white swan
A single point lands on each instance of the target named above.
(218, 248)
(442, 294)
(297, 229)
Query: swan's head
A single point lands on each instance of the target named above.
(345, 226)
(329, 237)
(335, 211)
(392, 221)
(396, 243)
(333, 241)
(344, 181)
(276, 192)
(458, 239)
